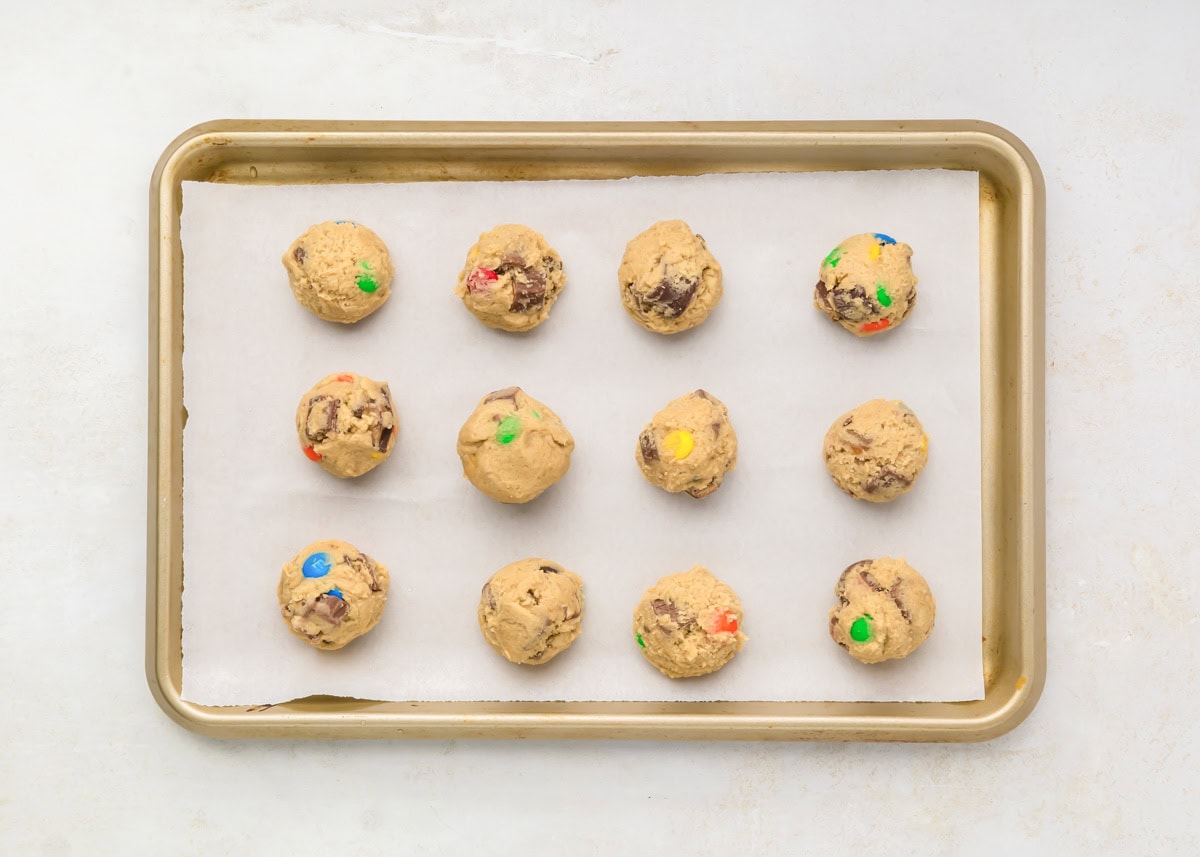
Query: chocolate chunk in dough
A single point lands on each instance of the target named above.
(330, 608)
(646, 445)
(670, 297)
(499, 395)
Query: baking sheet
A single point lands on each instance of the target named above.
(778, 531)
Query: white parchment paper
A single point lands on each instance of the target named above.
(778, 531)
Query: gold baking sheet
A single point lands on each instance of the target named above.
(1012, 364)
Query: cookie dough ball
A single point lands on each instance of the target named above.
(347, 424)
(669, 280)
(513, 447)
(689, 624)
(885, 610)
(331, 593)
(339, 270)
(867, 284)
(511, 279)
(876, 451)
(689, 445)
(530, 611)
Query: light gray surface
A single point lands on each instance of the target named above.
(1105, 765)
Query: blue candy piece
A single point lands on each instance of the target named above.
(317, 565)
(336, 593)
(355, 225)
(884, 239)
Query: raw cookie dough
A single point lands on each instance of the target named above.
(531, 610)
(689, 624)
(346, 423)
(876, 451)
(511, 279)
(513, 447)
(867, 284)
(669, 280)
(331, 593)
(339, 270)
(886, 610)
(689, 445)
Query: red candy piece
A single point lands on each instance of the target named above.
(873, 326)
(722, 623)
(312, 453)
(479, 279)
(345, 376)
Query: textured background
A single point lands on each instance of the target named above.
(1105, 98)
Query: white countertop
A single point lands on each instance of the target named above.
(1107, 762)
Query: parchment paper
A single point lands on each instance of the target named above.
(778, 531)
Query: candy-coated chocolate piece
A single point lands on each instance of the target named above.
(508, 430)
(481, 280)
(317, 565)
(680, 443)
(860, 629)
(723, 622)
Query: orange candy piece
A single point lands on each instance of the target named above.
(722, 623)
(873, 326)
(312, 453)
(347, 377)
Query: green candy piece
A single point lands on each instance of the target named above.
(537, 415)
(641, 642)
(508, 430)
(860, 629)
(365, 265)
(835, 256)
(882, 296)
(367, 284)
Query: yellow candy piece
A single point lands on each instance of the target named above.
(680, 443)
(377, 455)
(875, 251)
(924, 443)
